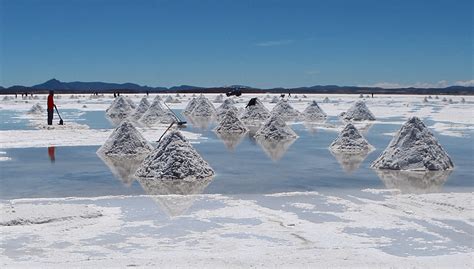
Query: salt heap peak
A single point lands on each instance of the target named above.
(313, 112)
(36, 109)
(358, 112)
(141, 109)
(130, 102)
(226, 105)
(350, 140)
(157, 99)
(275, 128)
(203, 108)
(174, 159)
(156, 114)
(255, 114)
(274, 100)
(285, 110)
(230, 123)
(190, 106)
(326, 100)
(414, 148)
(125, 141)
(169, 99)
(219, 98)
(119, 108)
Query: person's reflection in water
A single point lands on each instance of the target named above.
(51, 154)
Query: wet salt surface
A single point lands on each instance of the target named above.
(307, 165)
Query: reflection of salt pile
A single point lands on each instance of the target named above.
(255, 114)
(414, 148)
(313, 112)
(350, 162)
(414, 181)
(276, 149)
(141, 109)
(119, 108)
(202, 123)
(203, 108)
(174, 197)
(274, 100)
(123, 168)
(156, 114)
(275, 128)
(230, 123)
(227, 105)
(36, 109)
(285, 110)
(359, 111)
(175, 158)
(231, 140)
(350, 140)
(125, 141)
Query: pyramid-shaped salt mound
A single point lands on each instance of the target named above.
(120, 108)
(414, 148)
(228, 104)
(141, 109)
(326, 100)
(36, 109)
(313, 112)
(203, 108)
(219, 98)
(190, 106)
(130, 102)
(230, 123)
(274, 100)
(285, 110)
(156, 114)
(350, 140)
(125, 140)
(255, 114)
(175, 158)
(275, 128)
(359, 111)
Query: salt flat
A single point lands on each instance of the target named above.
(259, 219)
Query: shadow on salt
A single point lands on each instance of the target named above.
(417, 182)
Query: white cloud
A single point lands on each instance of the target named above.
(439, 84)
(274, 43)
(465, 83)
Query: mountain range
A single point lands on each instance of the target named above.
(78, 86)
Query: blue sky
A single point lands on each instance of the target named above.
(258, 43)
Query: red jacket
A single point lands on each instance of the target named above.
(50, 102)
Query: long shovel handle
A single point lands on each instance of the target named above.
(57, 112)
(171, 125)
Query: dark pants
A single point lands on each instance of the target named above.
(50, 116)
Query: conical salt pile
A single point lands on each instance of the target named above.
(359, 111)
(36, 109)
(313, 112)
(225, 106)
(463, 100)
(203, 108)
(414, 148)
(425, 100)
(130, 102)
(285, 110)
(125, 141)
(255, 114)
(157, 99)
(275, 128)
(119, 108)
(219, 98)
(350, 141)
(326, 100)
(230, 123)
(156, 114)
(169, 99)
(274, 100)
(190, 106)
(141, 109)
(175, 158)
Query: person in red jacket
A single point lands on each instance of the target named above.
(51, 106)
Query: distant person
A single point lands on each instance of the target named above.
(115, 95)
(147, 93)
(252, 102)
(372, 95)
(16, 95)
(51, 107)
(289, 95)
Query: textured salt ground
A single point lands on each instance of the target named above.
(414, 147)
(377, 229)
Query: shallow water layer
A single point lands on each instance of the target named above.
(242, 165)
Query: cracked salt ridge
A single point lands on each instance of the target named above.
(125, 140)
(275, 128)
(359, 111)
(175, 159)
(350, 140)
(414, 147)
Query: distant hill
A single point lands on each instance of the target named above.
(88, 87)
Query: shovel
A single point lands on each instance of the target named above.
(61, 122)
